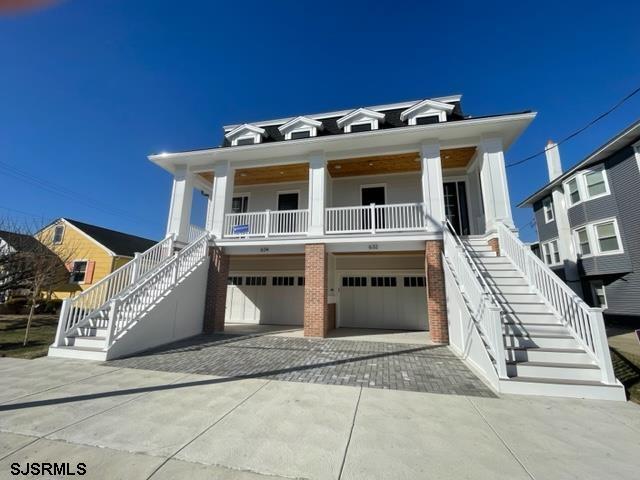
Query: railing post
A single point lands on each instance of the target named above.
(114, 306)
(136, 267)
(267, 223)
(372, 209)
(498, 340)
(601, 346)
(174, 273)
(171, 244)
(62, 321)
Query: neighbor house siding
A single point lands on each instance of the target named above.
(546, 231)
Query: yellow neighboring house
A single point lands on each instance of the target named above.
(89, 252)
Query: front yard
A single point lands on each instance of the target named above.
(41, 335)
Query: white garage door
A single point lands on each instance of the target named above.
(273, 298)
(392, 301)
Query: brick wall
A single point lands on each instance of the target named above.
(216, 297)
(436, 295)
(316, 321)
(495, 245)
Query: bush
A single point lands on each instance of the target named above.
(16, 305)
(49, 306)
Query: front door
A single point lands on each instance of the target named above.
(288, 201)
(285, 222)
(373, 195)
(455, 206)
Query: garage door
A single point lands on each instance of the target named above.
(392, 301)
(274, 298)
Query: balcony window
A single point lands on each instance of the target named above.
(240, 204)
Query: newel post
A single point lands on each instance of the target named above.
(114, 306)
(601, 346)
(64, 314)
(135, 269)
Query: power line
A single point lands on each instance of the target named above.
(580, 130)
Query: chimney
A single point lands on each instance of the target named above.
(553, 160)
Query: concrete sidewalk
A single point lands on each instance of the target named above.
(125, 423)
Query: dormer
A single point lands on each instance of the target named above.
(245, 135)
(300, 127)
(361, 120)
(425, 112)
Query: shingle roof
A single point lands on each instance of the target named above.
(118, 242)
(21, 242)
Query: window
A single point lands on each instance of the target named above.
(300, 134)
(78, 272)
(606, 234)
(354, 281)
(547, 207)
(551, 253)
(574, 192)
(427, 120)
(414, 281)
(255, 281)
(240, 204)
(361, 127)
(584, 248)
(234, 281)
(301, 281)
(383, 281)
(598, 294)
(596, 184)
(245, 141)
(58, 233)
(587, 185)
(282, 281)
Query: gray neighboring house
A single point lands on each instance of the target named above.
(588, 222)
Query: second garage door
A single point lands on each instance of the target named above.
(390, 301)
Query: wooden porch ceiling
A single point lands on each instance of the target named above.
(375, 165)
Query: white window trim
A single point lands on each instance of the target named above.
(548, 208)
(594, 294)
(544, 256)
(54, 235)
(636, 152)
(594, 244)
(581, 181)
(361, 116)
(245, 131)
(300, 124)
(426, 108)
(73, 265)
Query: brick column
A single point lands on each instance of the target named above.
(494, 244)
(316, 322)
(216, 298)
(436, 295)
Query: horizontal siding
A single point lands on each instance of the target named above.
(605, 264)
(593, 210)
(546, 231)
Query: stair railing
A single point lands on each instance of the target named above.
(482, 303)
(127, 308)
(76, 311)
(585, 322)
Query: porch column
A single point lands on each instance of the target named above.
(432, 190)
(221, 196)
(316, 319)
(216, 295)
(495, 191)
(436, 294)
(317, 193)
(180, 207)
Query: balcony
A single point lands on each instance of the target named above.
(371, 219)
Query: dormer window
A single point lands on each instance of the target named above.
(300, 127)
(426, 112)
(245, 135)
(361, 120)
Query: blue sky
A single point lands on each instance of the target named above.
(90, 88)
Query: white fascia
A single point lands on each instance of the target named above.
(300, 124)
(427, 108)
(360, 116)
(245, 130)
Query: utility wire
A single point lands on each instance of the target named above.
(580, 130)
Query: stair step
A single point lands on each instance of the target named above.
(500, 272)
(84, 341)
(518, 298)
(519, 308)
(513, 281)
(482, 254)
(560, 371)
(530, 317)
(555, 355)
(510, 289)
(496, 261)
(554, 387)
(84, 353)
(542, 341)
(528, 329)
(479, 248)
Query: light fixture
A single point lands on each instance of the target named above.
(281, 173)
(338, 167)
(446, 157)
(371, 164)
(243, 174)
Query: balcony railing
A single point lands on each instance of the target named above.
(266, 224)
(403, 217)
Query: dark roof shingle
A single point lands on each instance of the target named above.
(118, 242)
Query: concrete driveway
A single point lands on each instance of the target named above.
(132, 423)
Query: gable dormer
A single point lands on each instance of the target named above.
(300, 127)
(245, 134)
(361, 120)
(426, 111)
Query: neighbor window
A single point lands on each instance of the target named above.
(58, 232)
(598, 293)
(598, 239)
(584, 248)
(551, 253)
(547, 206)
(574, 192)
(596, 183)
(587, 185)
(78, 272)
(607, 237)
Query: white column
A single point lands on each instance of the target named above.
(317, 192)
(181, 200)
(432, 191)
(221, 196)
(495, 192)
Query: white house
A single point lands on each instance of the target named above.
(390, 216)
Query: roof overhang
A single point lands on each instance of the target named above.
(607, 149)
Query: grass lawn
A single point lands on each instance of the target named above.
(625, 354)
(41, 335)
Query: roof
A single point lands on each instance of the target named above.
(611, 146)
(119, 243)
(20, 241)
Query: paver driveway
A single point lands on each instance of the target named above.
(419, 368)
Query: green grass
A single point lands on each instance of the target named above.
(41, 335)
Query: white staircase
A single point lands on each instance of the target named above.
(92, 322)
(554, 344)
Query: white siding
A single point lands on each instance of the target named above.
(263, 197)
(403, 188)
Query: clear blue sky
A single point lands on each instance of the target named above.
(90, 88)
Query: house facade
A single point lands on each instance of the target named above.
(393, 216)
(588, 222)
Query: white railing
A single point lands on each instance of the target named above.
(194, 232)
(127, 308)
(483, 305)
(78, 310)
(403, 217)
(585, 322)
(275, 223)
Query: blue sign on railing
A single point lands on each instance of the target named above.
(240, 229)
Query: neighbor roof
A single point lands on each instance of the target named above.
(619, 141)
(20, 241)
(119, 243)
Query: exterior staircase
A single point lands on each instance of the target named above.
(545, 350)
(99, 318)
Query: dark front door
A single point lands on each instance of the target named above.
(286, 201)
(455, 206)
(373, 195)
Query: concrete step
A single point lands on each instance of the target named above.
(541, 341)
(88, 341)
(551, 387)
(559, 371)
(534, 329)
(555, 355)
(81, 353)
